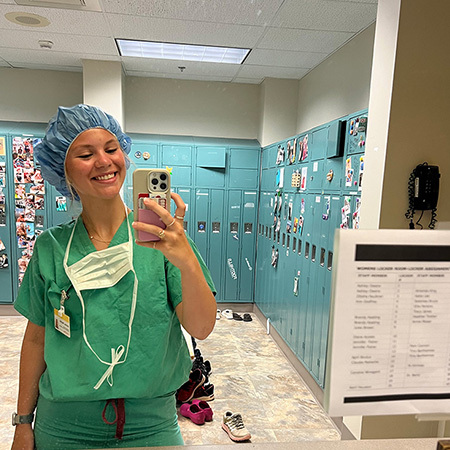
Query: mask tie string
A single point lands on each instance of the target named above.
(116, 354)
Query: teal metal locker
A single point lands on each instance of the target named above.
(332, 174)
(356, 133)
(272, 156)
(312, 307)
(56, 217)
(179, 159)
(180, 155)
(212, 157)
(316, 214)
(143, 154)
(233, 245)
(216, 227)
(248, 240)
(201, 222)
(7, 254)
(325, 318)
(208, 177)
(336, 139)
(318, 143)
(352, 170)
(317, 360)
(316, 176)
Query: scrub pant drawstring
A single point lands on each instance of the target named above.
(119, 408)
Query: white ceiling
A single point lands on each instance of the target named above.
(287, 38)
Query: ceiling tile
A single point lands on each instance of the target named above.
(46, 57)
(280, 58)
(303, 40)
(325, 15)
(89, 45)
(272, 72)
(248, 12)
(63, 21)
(185, 32)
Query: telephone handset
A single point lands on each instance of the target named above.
(423, 190)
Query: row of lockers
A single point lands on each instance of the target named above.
(218, 180)
(223, 226)
(28, 206)
(346, 135)
(295, 293)
(297, 223)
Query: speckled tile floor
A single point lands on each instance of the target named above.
(250, 374)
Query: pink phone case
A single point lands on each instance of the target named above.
(147, 216)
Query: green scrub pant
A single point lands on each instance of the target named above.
(80, 425)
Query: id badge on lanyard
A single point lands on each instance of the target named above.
(61, 319)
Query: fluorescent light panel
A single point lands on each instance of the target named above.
(182, 52)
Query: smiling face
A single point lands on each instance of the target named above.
(95, 165)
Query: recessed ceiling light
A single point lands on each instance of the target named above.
(27, 19)
(182, 52)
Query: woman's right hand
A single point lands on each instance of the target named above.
(23, 438)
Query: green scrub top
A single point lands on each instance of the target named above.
(158, 361)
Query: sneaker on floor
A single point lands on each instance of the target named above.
(247, 318)
(218, 313)
(236, 316)
(187, 391)
(205, 393)
(227, 313)
(234, 426)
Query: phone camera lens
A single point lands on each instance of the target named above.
(154, 181)
(163, 186)
(163, 176)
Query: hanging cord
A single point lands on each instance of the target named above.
(419, 219)
(433, 219)
(410, 212)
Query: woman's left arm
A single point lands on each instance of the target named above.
(197, 311)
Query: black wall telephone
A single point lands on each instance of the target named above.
(423, 191)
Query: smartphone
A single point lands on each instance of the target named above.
(153, 184)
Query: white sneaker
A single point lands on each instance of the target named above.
(227, 313)
(234, 426)
(218, 314)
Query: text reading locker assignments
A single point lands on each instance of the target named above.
(399, 321)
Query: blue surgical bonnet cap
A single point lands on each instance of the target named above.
(63, 128)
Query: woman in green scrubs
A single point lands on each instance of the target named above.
(103, 352)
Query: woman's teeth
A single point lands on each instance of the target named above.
(105, 177)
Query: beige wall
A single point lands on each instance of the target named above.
(338, 86)
(34, 95)
(278, 110)
(420, 104)
(102, 86)
(163, 106)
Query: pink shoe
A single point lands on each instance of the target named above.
(193, 412)
(205, 408)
